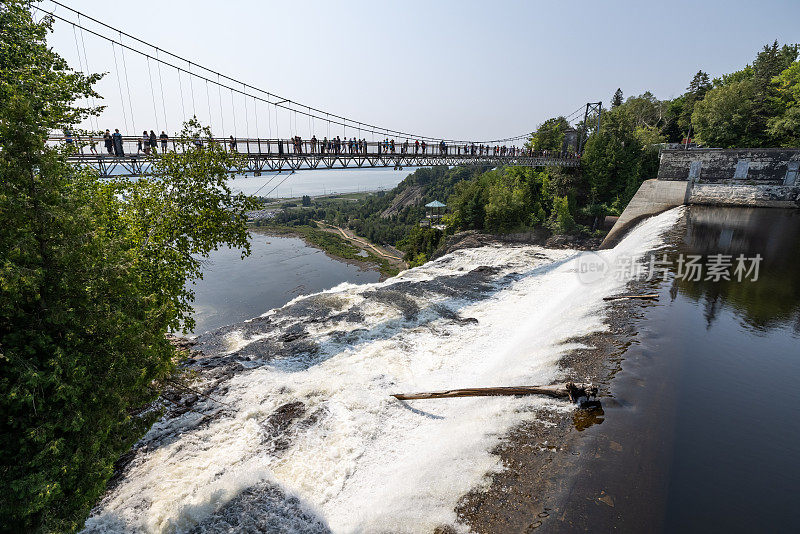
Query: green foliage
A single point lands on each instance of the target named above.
(419, 244)
(612, 159)
(183, 211)
(562, 221)
(786, 127)
(617, 99)
(748, 108)
(512, 198)
(723, 119)
(92, 275)
(306, 201)
(549, 135)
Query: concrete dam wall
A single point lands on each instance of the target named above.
(767, 177)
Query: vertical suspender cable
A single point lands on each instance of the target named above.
(183, 107)
(161, 86)
(221, 116)
(255, 110)
(233, 109)
(208, 101)
(119, 85)
(80, 64)
(127, 85)
(191, 88)
(88, 72)
(152, 92)
(269, 121)
(277, 128)
(246, 119)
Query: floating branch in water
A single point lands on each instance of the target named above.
(649, 296)
(571, 390)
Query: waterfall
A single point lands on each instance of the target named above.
(298, 432)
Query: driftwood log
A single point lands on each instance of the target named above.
(653, 296)
(569, 390)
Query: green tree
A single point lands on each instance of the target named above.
(645, 110)
(562, 221)
(549, 135)
(617, 99)
(723, 118)
(507, 203)
(92, 275)
(785, 127)
(612, 159)
(751, 111)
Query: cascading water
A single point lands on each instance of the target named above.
(299, 433)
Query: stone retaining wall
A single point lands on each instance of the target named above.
(745, 166)
(769, 196)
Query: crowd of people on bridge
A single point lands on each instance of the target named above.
(149, 143)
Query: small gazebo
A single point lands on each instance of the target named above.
(434, 210)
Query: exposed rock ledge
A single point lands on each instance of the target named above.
(541, 237)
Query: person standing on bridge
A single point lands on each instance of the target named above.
(164, 138)
(232, 144)
(145, 142)
(153, 142)
(424, 146)
(108, 142)
(416, 146)
(313, 144)
(117, 138)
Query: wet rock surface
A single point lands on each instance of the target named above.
(541, 237)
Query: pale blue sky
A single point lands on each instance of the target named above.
(446, 69)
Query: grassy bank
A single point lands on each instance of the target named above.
(331, 244)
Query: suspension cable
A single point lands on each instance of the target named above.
(191, 88)
(246, 119)
(127, 85)
(161, 86)
(152, 93)
(208, 102)
(80, 64)
(233, 109)
(269, 121)
(255, 113)
(183, 106)
(88, 71)
(282, 102)
(221, 116)
(119, 85)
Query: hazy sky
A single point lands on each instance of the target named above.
(461, 69)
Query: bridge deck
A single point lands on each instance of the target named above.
(268, 155)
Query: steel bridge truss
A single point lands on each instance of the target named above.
(138, 165)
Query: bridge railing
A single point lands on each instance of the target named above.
(88, 147)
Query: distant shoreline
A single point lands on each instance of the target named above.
(334, 246)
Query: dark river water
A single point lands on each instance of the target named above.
(736, 438)
(701, 433)
(278, 269)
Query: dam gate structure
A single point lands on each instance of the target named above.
(752, 177)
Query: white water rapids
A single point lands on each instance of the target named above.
(302, 435)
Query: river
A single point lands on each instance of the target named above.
(277, 270)
(699, 432)
(319, 182)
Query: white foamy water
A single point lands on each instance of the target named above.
(357, 460)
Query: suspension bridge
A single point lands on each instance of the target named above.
(298, 136)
